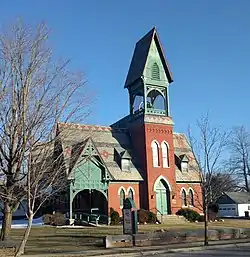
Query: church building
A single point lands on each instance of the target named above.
(139, 156)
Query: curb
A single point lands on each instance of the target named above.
(135, 252)
(176, 250)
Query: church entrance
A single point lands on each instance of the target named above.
(88, 187)
(162, 197)
(90, 204)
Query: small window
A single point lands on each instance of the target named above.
(122, 197)
(224, 209)
(165, 155)
(155, 72)
(191, 197)
(233, 209)
(131, 194)
(249, 207)
(228, 209)
(155, 153)
(125, 165)
(184, 166)
(184, 197)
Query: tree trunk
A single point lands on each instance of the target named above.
(206, 225)
(6, 224)
(22, 245)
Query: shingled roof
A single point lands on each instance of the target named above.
(109, 141)
(106, 140)
(140, 57)
(239, 197)
(182, 148)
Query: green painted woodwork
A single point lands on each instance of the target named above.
(88, 173)
(154, 78)
(162, 198)
(153, 60)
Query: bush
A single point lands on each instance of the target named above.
(47, 219)
(57, 219)
(142, 216)
(145, 216)
(213, 210)
(189, 214)
(115, 217)
(152, 218)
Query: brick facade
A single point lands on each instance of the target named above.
(114, 195)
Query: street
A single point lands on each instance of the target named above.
(226, 252)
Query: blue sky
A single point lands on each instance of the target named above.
(207, 44)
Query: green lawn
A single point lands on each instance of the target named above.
(49, 239)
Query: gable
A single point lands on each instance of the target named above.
(225, 199)
(147, 49)
(154, 59)
(86, 152)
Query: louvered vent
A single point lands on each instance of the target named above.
(155, 71)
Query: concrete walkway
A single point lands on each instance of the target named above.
(148, 250)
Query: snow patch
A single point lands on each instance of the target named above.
(24, 222)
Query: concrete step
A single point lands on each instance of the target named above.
(172, 219)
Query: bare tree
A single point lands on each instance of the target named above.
(240, 155)
(46, 177)
(35, 92)
(207, 147)
(222, 182)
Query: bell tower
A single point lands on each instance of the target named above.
(150, 124)
(148, 78)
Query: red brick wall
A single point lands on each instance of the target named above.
(160, 133)
(197, 197)
(114, 198)
(142, 136)
(137, 133)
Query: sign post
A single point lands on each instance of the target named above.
(129, 217)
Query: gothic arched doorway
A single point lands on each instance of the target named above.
(90, 201)
(162, 190)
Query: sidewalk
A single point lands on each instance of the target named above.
(148, 250)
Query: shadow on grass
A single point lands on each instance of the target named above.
(75, 236)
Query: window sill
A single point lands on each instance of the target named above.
(156, 166)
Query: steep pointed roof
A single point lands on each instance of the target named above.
(184, 158)
(126, 155)
(140, 57)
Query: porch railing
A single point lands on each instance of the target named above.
(91, 218)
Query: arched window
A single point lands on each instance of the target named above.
(131, 194)
(155, 153)
(155, 71)
(191, 197)
(165, 155)
(184, 197)
(122, 197)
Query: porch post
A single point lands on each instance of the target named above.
(71, 220)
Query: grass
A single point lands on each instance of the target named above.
(55, 240)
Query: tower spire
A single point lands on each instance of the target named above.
(148, 77)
